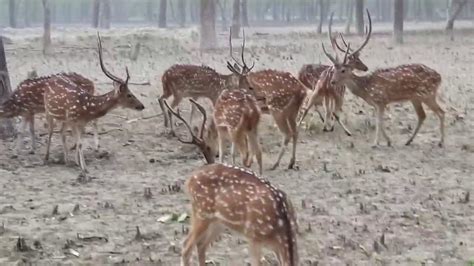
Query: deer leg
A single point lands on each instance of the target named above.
(327, 113)
(338, 119)
(256, 254)
(421, 117)
(255, 148)
(210, 235)
(174, 104)
(294, 135)
(380, 127)
(163, 110)
(20, 141)
(240, 141)
(63, 140)
(220, 142)
(198, 230)
(78, 132)
(95, 127)
(32, 134)
(49, 119)
(338, 101)
(434, 106)
(282, 124)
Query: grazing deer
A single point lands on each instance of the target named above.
(28, 100)
(283, 96)
(225, 196)
(75, 107)
(318, 76)
(183, 81)
(416, 83)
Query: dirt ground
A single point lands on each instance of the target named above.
(356, 205)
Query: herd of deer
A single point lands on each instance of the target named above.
(226, 196)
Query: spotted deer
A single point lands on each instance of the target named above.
(416, 83)
(282, 96)
(69, 104)
(225, 196)
(193, 81)
(28, 100)
(317, 78)
(236, 116)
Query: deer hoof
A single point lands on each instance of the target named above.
(274, 166)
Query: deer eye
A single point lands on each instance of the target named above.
(343, 71)
(129, 96)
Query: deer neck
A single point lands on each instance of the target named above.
(102, 104)
(358, 85)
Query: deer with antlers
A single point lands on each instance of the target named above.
(69, 104)
(28, 100)
(416, 83)
(318, 77)
(192, 81)
(225, 196)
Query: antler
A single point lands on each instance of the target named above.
(332, 39)
(368, 31)
(243, 67)
(204, 116)
(335, 61)
(248, 69)
(231, 53)
(194, 139)
(347, 52)
(367, 36)
(102, 66)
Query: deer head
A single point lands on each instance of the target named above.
(353, 59)
(207, 149)
(239, 70)
(343, 70)
(125, 97)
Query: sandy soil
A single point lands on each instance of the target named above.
(356, 205)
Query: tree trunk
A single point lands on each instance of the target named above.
(323, 8)
(208, 24)
(95, 13)
(275, 15)
(350, 15)
(398, 21)
(46, 27)
(359, 17)
(12, 13)
(429, 9)
(162, 16)
(27, 12)
(455, 7)
(222, 4)
(245, 14)
(6, 125)
(236, 19)
(149, 10)
(182, 12)
(105, 14)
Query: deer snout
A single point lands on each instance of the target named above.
(140, 107)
